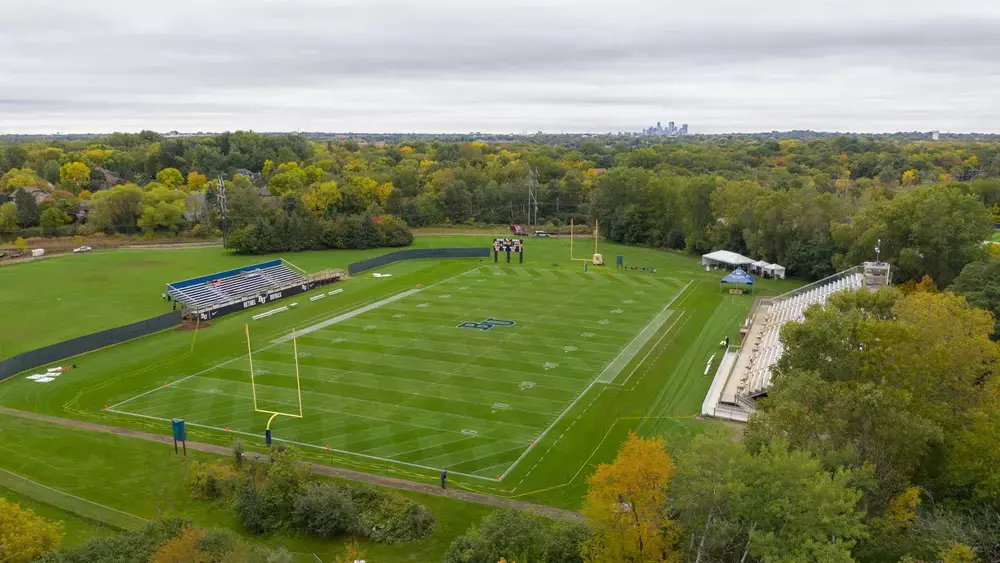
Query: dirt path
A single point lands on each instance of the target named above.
(348, 474)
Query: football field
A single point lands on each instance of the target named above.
(464, 375)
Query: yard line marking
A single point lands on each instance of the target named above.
(349, 314)
(307, 445)
(569, 408)
(640, 340)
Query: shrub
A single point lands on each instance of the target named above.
(520, 536)
(325, 511)
(395, 232)
(134, 545)
(253, 512)
(389, 518)
(215, 480)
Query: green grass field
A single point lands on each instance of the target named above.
(421, 381)
(150, 482)
(65, 296)
(390, 382)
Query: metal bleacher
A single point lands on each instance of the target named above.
(764, 345)
(234, 285)
(747, 370)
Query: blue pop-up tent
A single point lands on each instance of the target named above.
(738, 277)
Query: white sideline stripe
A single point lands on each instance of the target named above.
(651, 348)
(336, 291)
(615, 367)
(348, 315)
(708, 366)
(304, 444)
(317, 297)
(570, 407)
(37, 484)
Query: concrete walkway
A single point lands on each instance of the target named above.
(317, 469)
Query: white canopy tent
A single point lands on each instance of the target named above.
(725, 258)
(775, 271)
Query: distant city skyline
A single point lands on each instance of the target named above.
(671, 130)
(557, 66)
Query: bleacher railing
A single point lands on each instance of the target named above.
(809, 287)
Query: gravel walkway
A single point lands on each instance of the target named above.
(342, 473)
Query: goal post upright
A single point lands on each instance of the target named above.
(572, 236)
(253, 385)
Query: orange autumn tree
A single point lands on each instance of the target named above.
(626, 506)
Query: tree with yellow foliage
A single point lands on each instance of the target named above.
(320, 196)
(626, 506)
(25, 536)
(196, 181)
(909, 177)
(184, 548)
(74, 176)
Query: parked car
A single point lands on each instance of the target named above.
(82, 249)
(541, 234)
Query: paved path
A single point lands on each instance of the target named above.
(349, 474)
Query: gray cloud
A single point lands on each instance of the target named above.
(574, 66)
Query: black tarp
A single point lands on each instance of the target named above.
(384, 259)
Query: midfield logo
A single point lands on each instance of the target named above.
(487, 324)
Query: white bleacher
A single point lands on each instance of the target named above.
(234, 288)
(763, 344)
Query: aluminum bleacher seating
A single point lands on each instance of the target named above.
(235, 287)
(765, 347)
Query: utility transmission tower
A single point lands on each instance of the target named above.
(533, 188)
(220, 187)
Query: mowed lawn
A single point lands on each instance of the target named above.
(463, 375)
(150, 481)
(62, 297)
(403, 391)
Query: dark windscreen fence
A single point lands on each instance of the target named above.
(384, 259)
(84, 344)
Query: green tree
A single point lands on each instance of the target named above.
(53, 218)
(929, 230)
(50, 171)
(518, 536)
(8, 217)
(162, 208)
(170, 177)
(888, 382)
(116, 209)
(27, 208)
(979, 284)
(775, 505)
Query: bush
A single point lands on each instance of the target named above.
(389, 518)
(253, 512)
(324, 511)
(215, 480)
(520, 536)
(169, 540)
(135, 545)
(395, 231)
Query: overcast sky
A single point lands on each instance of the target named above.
(513, 66)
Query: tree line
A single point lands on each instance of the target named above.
(813, 204)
